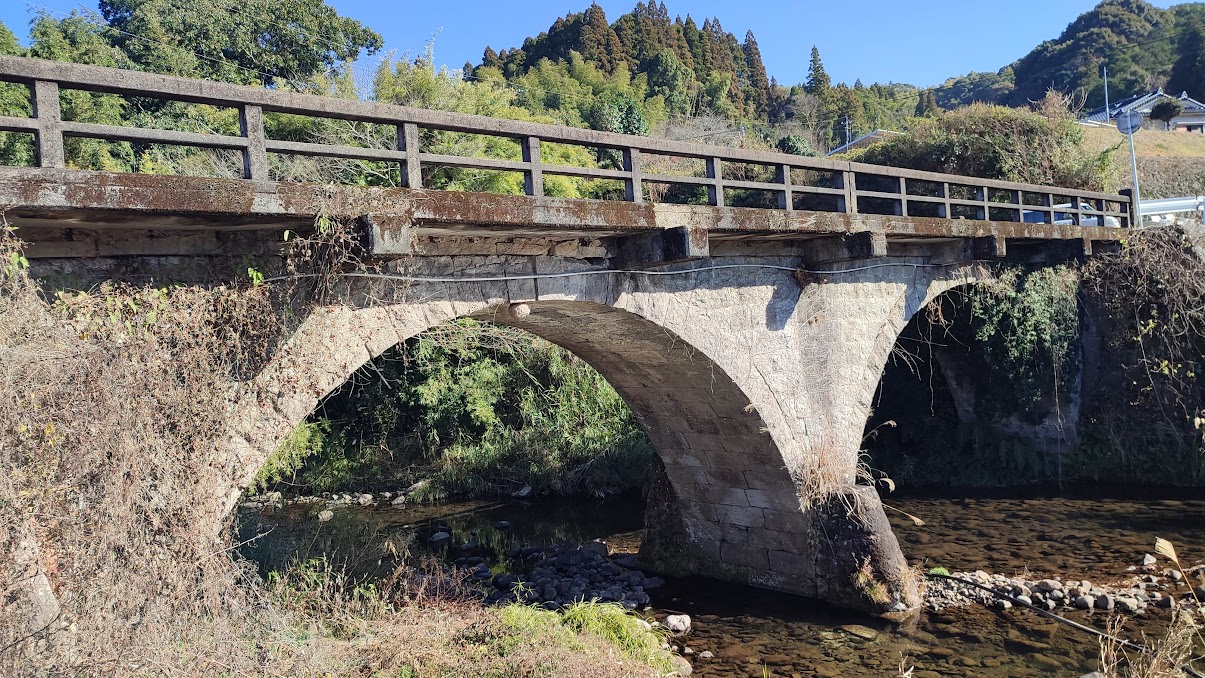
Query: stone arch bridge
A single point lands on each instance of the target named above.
(749, 340)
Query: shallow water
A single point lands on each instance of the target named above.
(757, 633)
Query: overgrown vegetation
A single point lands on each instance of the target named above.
(1027, 327)
(1042, 146)
(472, 409)
(112, 403)
(996, 359)
(1149, 415)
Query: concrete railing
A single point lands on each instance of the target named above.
(829, 185)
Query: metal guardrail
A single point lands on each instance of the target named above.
(833, 186)
(1173, 205)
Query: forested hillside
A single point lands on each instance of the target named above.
(1143, 46)
(662, 69)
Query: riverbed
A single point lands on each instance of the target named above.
(756, 633)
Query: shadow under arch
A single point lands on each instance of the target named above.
(971, 428)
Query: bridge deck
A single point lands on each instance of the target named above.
(801, 196)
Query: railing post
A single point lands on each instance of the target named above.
(1019, 198)
(849, 183)
(533, 178)
(408, 141)
(1128, 194)
(49, 115)
(786, 199)
(715, 190)
(946, 212)
(255, 156)
(903, 197)
(985, 195)
(633, 186)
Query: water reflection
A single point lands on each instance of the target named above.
(755, 633)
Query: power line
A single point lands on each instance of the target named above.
(574, 274)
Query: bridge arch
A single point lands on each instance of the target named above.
(728, 502)
(752, 382)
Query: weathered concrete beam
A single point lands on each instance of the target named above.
(387, 237)
(845, 247)
(989, 247)
(666, 246)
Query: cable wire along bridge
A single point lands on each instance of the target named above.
(743, 303)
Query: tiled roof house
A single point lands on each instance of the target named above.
(1192, 119)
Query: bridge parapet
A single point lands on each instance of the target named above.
(793, 182)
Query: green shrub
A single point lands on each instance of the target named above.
(996, 142)
(476, 409)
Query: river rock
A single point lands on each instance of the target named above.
(522, 492)
(706, 654)
(1148, 560)
(439, 537)
(365, 500)
(1104, 602)
(681, 666)
(1085, 602)
(1166, 602)
(1049, 585)
(596, 548)
(1128, 605)
(325, 515)
(678, 624)
(398, 500)
(502, 525)
(1174, 575)
(859, 631)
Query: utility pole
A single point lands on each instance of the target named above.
(848, 138)
(1105, 70)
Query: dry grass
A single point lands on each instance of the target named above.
(1164, 659)
(1147, 143)
(111, 485)
(1170, 164)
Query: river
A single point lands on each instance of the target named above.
(757, 633)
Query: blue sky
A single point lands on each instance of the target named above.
(913, 41)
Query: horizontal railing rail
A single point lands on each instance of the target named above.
(847, 187)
